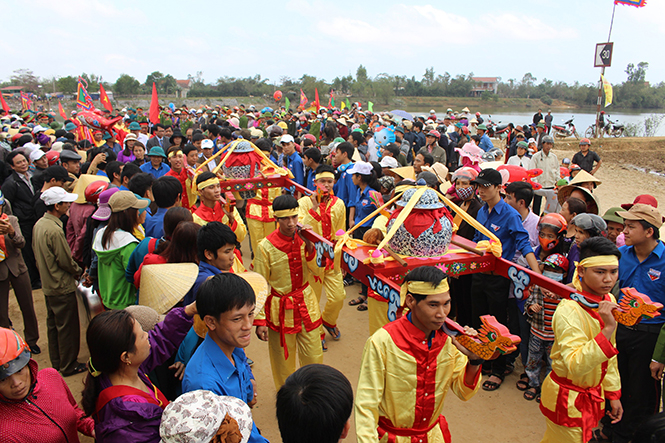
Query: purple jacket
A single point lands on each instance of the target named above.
(126, 422)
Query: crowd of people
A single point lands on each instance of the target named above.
(136, 213)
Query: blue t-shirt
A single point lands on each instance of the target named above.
(647, 277)
(506, 223)
(210, 369)
(205, 270)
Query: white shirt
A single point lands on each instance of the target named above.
(516, 160)
(550, 166)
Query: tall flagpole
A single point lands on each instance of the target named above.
(600, 81)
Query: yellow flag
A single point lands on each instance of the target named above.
(343, 106)
(607, 86)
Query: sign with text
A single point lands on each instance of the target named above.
(603, 58)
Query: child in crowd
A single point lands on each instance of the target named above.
(582, 227)
(540, 307)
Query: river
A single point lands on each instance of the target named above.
(583, 119)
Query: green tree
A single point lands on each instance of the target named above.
(155, 77)
(66, 85)
(92, 81)
(637, 75)
(361, 74)
(126, 85)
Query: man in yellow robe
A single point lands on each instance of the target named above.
(409, 365)
(211, 208)
(326, 214)
(584, 364)
(291, 317)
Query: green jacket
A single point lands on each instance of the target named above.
(116, 292)
(57, 268)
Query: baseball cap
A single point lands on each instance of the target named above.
(645, 199)
(56, 195)
(57, 172)
(389, 162)
(531, 141)
(286, 138)
(434, 133)
(207, 144)
(566, 161)
(585, 141)
(123, 200)
(362, 168)
(611, 215)
(487, 177)
(36, 155)
(643, 212)
(103, 213)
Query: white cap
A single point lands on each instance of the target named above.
(36, 155)
(57, 195)
(389, 162)
(207, 144)
(362, 168)
(38, 128)
(432, 111)
(532, 141)
(286, 138)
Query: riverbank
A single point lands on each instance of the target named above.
(440, 104)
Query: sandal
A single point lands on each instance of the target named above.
(362, 307)
(334, 332)
(81, 367)
(323, 345)
(531, 393)
(357, 301)
(492, 385)
(597, 436)
(523, 383)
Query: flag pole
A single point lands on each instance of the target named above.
(600, 81)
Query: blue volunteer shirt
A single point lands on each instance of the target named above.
(163, 169)
(206, 270)
(297, 168)
(211, 369)
(364, 206)
(344, 187)
(506, 223)
(309, 182)
(648, 277)
(154, 226)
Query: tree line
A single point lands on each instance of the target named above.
(634, 92)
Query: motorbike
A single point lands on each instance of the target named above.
(567, 129)
(613, 129)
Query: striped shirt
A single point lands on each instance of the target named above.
(541, 321)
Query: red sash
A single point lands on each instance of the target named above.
(113, 392)
(386, 427)
(288, 301)
(589, 402)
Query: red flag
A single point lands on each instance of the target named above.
(154, 105)
(4, 103)
(104, 99)
(316, 99)
(61, 111)
(303, 100)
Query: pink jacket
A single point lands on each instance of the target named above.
(49, 401)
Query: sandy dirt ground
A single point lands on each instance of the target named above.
(515, 419)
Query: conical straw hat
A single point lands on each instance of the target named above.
(261, 291)
(164, 285)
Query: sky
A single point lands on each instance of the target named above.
(548, 38)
